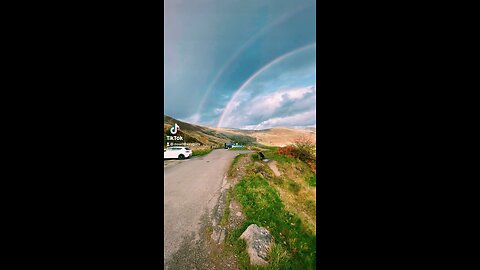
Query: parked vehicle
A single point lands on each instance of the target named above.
(233, 145)
(179, 152)
(237, 146)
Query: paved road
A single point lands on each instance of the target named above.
(191, 189)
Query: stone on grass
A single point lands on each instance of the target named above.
(258, 241)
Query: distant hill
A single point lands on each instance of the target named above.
(216, 137)
(204, 135)
(278, 136)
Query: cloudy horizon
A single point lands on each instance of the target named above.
(241, 64)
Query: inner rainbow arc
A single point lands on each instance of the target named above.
(240, 89)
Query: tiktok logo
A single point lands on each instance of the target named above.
(174, 129)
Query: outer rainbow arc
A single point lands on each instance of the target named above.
(237, 92)
(242, 48)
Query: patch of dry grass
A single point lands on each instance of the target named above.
(295, 191)
(297, 194)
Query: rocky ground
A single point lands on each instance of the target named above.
(202, 254)
(208, 252)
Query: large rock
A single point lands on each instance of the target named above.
(258, 241)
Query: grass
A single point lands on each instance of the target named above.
(254, 148)
(257, 168)
(293, 186)
(233, 167)
(294, 247)
(311, 207)
(280, 158)
(201, 152)
(273, 148)
(254, 157)
(297, 186)
(237, 148)
(285, 205)
(311, 180)
(226, 210)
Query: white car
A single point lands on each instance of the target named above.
(179, 152)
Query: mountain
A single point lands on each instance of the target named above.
(278, 136)
(216, 137)
(203, 135)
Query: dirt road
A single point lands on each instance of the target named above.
(191, 190)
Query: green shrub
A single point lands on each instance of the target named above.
(305, 149)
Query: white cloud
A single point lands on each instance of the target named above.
(299, 120)
(277, 108)
(268, 104)
(194, 119)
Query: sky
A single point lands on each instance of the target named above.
(246, 64)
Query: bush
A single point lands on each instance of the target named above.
(288, 151)
(303, 149)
